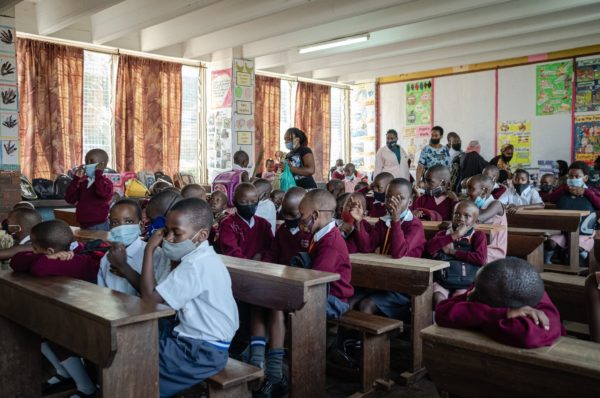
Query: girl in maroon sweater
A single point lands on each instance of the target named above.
(508, 304)
(438, 197)
(376, 203)
(354, 203)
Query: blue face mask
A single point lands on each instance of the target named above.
(289, 145)
(176, 251)
(125, 234)
(156, 223)
(90, 170)
(576, 182)
(479, 202)
(403, 214)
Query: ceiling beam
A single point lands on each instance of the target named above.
(54, 15)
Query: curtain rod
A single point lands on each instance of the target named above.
(303, 79)
(110, 50)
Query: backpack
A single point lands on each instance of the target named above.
(183, 179)
(159, 175)
(43, 187)
(459, 275)
(60, 186)
(226, 182)
(27, 191)
(117, 181)
(146, 177)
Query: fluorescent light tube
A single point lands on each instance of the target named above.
(346, 41)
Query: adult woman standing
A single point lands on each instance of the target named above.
(300, 158)
(433, 154)
(392, 158)
(502, 161)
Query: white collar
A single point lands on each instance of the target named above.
(487, 202)
(25, 240)
(294, 230)
(324, 231)
(250, 223)
(387, 219)
(91, 181)
(496, 186)
(201, 247)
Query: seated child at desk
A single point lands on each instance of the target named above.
(592, 292)
(277, 198)
(463, 247)
(199, 289)
(574, 195)
(327, 250)
(91, 192)
(398, 234)
(157, 209)
(336, 188)
(491, 211)
(508, 304)
(547, 185)
(193, 191)
(355, 203)
(493, 172)
(218, 205)
(266, 208)
(376, 203)
(520, 194)
(437, 198)
(20, 221)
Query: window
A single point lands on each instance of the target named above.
(288, 109)
(338, 124)
(97, 102)
(190, 124)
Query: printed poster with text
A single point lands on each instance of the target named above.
(413, 141)
(587, 87)
(517, 133)
(362, 126)
(587, 138)
(418, 103)
(219, 129)
(553, 88)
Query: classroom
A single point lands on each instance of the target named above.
(299, 198)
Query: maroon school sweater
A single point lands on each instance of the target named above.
(351, 240)
(375, 209)
(476, 257)
(445, 208)
(330, 254)
(92, 204)
(237, 239)
(286, 245)
(405, 238)
(496, 193)
(81, 266)
(459, 313)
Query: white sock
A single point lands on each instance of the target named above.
(53, 359)
(76, 370)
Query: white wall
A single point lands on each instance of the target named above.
(392, 104)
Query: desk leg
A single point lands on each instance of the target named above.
(307, 332)
(422, 317)
(21, 363)
(574, 251)
(133, 371)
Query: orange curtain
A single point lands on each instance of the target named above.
(147, 115)
(313, 116)
(267, 96)
(50, 80)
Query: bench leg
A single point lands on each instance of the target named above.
(574, 251)
(375, 361)
(536, 258)
(241, 391)
(21, 363)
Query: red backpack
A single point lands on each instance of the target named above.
(226, 182)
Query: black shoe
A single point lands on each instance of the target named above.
(268, 389)
(64, 384)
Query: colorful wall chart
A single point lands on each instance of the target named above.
(9, 101)
(517, 133)
(219, 123)
(413, 141)
(587, 94)
(418, 103)
(587, 138)
(362, 126)
(243, 107)
(554, 88)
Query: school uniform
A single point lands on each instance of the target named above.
(499, 239)
(443, 205)
(266, 209)
(81, 266)
(199, 289)
(530, 196)
(459, 313)
(329, 253)
(375, 208)
(243, 239)
(288, 243)
(92, 199)
(477, 256)
(350, 238)
(498, 190)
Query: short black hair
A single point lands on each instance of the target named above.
(439, 129)
(483, 180)
(321, 200)
(296, 132)
(360, 185)
(403, 182)
(509, 283)
(452, 134)
(192, 189)
(26, 217)
(197, 211)
(239, 157)
(130, 202)
(522, 171)
(263, 186)
(392, 131)
(97, 151)
(579, 165)
(163, 201)
(52, 234)
(244, 186)
(563, 167)
(438, 169)
(384, 175)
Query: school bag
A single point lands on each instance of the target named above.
(27, 191)
(159, 175)
(146, 177)
(61, 183)
(136, 189)
(226, 182)
(183, 179)
(43, 187)
(459, 275)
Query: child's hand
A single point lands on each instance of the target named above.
(117, 257)
(537, 316)
(444, 225)
(418, 213)
(156, 239)
(452, 196)
(63, 256)
(460, 232)
(80, 172)
(512, 209)
(257, 257)
(357, 211)
(449, 249)
(394, 208)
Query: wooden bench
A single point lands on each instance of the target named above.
(375, 352)
(567, 292)
(471, 365)
(115, 331)
(233, 381)
(302, 293)
(411, 276)
(595, 254)
(530, 248)
(67, 215)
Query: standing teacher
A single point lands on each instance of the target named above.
(433, 154)
(300, 158)
(392, 158)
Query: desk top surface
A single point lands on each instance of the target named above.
(404, 263)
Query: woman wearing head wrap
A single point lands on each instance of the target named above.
(502, 161)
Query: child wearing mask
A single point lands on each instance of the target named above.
(493, 172)
(376, 202)
(520, 194)
(437, 198)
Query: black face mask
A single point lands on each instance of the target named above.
(291, 224)
(379, 196)
(435, 192)
(506, 158)
(520, 188)
(434, 141)
(246, 211)
(456, 147)
(546, 187)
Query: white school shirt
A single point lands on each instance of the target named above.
(266, 209)
(529, 196)
(199, 289)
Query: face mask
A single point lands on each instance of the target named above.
(307, 225)
(289, 145)
(403, 214)
(507, 158)
(392, 144)
(576, 182)
(434, 141)
(520, 188)
(479, 202)
(176, 251)
(379, 196)
(456, 147)
(157, 223)
(246, 211)
(90, 170)
(546, 187)
(125, 234)
(350, 177)
(435, 192)
(291, 224)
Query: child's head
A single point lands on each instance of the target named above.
(264, 189)
(20, 221)
(125, 218)
(336, 187)
(547, 182)
(339, 163)
(245, 200)
(491, 171)
(508, 283)
(270, 165)
(350, 170)
(241, 158)
(479, 188)
(159, 205)
(381, 182)
(401, 189)
(578, 174)
(97, 156)
(290, 206)
(193, 191)
(316, 210)
(49, 237)
(340, 202)
(354, 200)
(453, 141)
(188, 224)
(159, 186)
(217, 202)
(520, 177)
(360, 185)
(465, 214)
(437, 180)
(277, 197)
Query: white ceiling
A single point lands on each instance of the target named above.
(405, 36)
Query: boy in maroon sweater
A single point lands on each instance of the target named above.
(19, 224)
(91, 192)
(463, 247)
(376, 203)
(438, 197)
(327, 249)
(493, 172)
(508, 304)
(355, 202)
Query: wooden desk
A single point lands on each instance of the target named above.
(86, 235)
(302, 293)
(595, 254)
(530, 248)
(567, 292)
(117, 332)
(412, 276)
(67, 215)
(564, 220)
